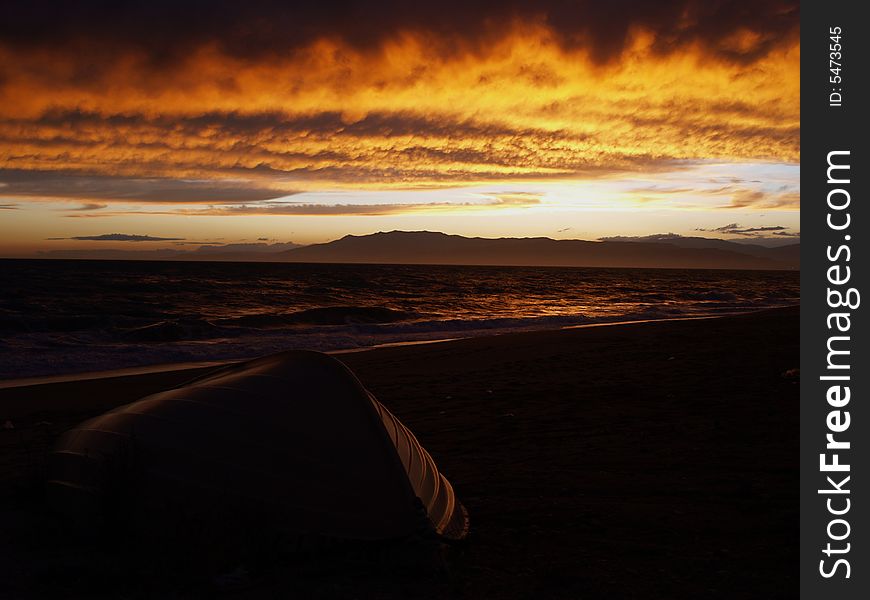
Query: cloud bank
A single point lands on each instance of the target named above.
(739, 230)
(231, 103)
(119, 237)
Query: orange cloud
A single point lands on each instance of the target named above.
(532, 96)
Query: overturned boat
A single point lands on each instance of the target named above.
(293, 441)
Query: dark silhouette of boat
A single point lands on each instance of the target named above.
(292, 440)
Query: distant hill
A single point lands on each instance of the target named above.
(246, 248)
(259, 252)
(425, 247)
(251, 252)
(789, 252)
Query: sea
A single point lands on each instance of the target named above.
(65, 316)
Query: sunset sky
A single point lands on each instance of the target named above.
(212, 122)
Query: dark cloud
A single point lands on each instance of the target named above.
(382, 146)
(495, 201)
(656, 237)
(736, 229)
(397, 146)
(89, 206)
(327, 124)
(277, 138)
(251, 133)
(66, 184)
(165, 30)
(141, 102)
(8, 207)
(119, 237)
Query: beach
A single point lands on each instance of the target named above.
(645, 460)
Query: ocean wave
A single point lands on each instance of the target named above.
(56, 317)
(327, 315)
(38, 354)
(718, 296)
(170, 331)
(456, 326)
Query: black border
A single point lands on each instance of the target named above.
(824, 129)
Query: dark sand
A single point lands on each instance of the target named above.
(654, 460)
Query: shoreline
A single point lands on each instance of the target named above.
(200, 365)
(667, 447)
